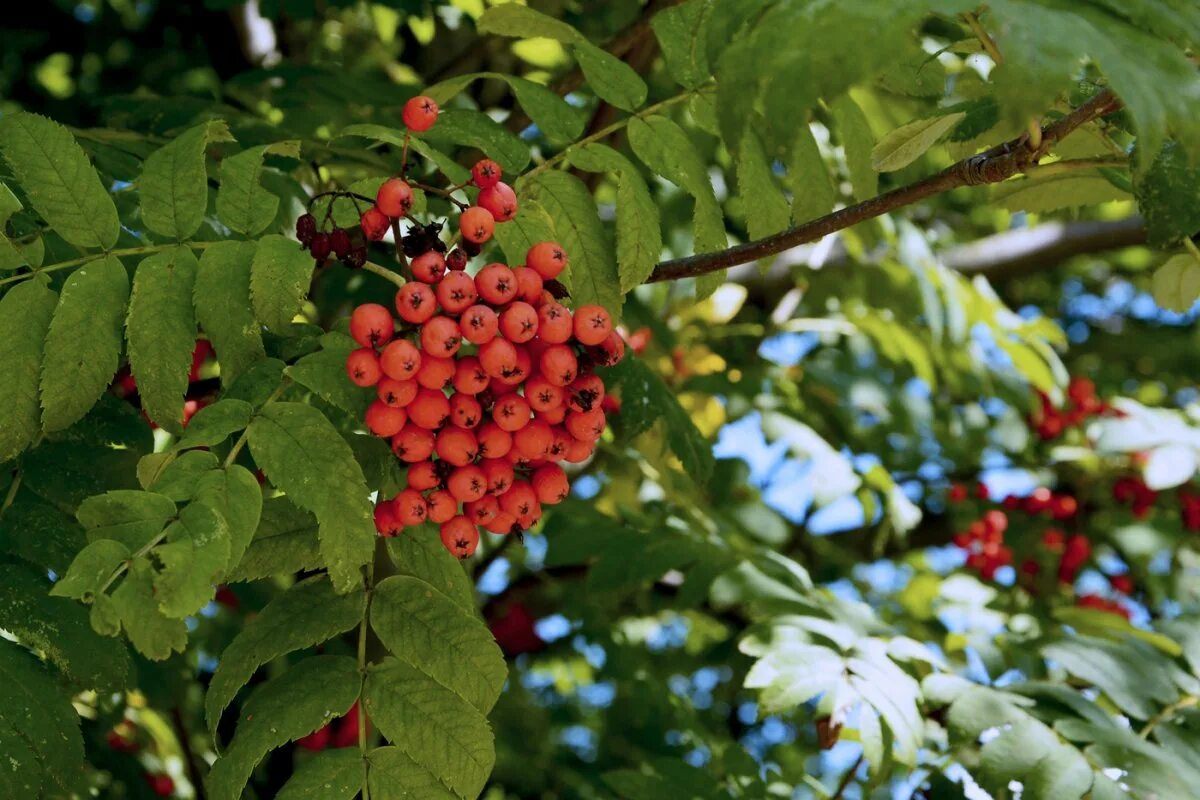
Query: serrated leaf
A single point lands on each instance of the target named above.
(177, 479)
(682, 35)
(58, 179)
(614, 81)
(234, 493)
(431, 633)
(557, 118)
(222, 300)
(420, 553)
(279, 279)
(173, 185)
(324, 372)
(161, 329)
(765, 206)
(395, 776)
(215, 423)
(285, 541)
(91, 569)
(639, 229)
(330, 775)
(523, 22)
(1056, 192)
(1136, 678)
(857, 143)
(905, 144)
(523, 231)
(133, 603)
(15, 254)
(1168, 195)
(132, 518)
(478, 130)
(242, 202)
(293, 705)
(591, 275)
(1176, 284)
(813, 193)
(303, 454)
(437, 729)
(306, 614)
(41, 724)
(83, 345)
(25, 314)
(193, 559)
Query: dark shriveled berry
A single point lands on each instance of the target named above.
(356, 258)
(556, 289)
(339, 242)
(457, 260)
(306, 228)
(320, 246)
(471, 248)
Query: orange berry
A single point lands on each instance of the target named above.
(519, 322)
(529, 285)
(429, 409)
(374, 224)
(542, 394)
(400, 360)
(371, 325)
(499, 356)
(413, 444)
(429, 267)
(477, 224)
(499, 474)
(465, 411)
(533, 441)
(469, 377)
(410, 507)
(586, 425)
(457, 446)
(558, 447)
(503, 522)
(456, 292)
(592, 324)
(494, 441)
(440, 337)
(415, 302)
(610, 351)
(394, 393)
(521, 371)
(387, 523)
(384, 420)
(483, 510)
(485, 173)
(580, 450)
(435, 372)
(521, 501)
(559, 364)
(423, 475)
(478, 324)
(554, 323)
(511, 412)
(585, 393)
(467, 483)
(496, 284)
(420, 113)
(500, 201)
(441, 506)
(548, 258)
(553, 416)
(460, 537)
(394, 198)
(550, 484)
(363, 367)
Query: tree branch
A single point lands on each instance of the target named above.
(993, 166)
(1027, 250)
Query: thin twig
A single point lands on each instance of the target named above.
(846, 779)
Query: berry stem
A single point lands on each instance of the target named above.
(403, 172)
(446, 193)
(385, 273)
(126, 251)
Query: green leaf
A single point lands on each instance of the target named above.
(91, 569)
(639, 229)
(285, 541)
(813, 193)
(330, 775)
(557, 118)
(523, 22)
(1056, 192)
(395, 776)
(1176, 284)
(174, 182)
(614, 81)
(279, 280)
(162, 333)
(25, 314)
(132, 518)
(591, 275)
(83, 345)
(134, 604)
(40, 533)
(242, 202)
(177, 478)
(765, 206)
(295, 704)
(431, 633)
(234, 493)
(478, 130)
(532, 225)
(436, 728)
(222, 299)
(905, 144)
(681, 32)
(1168, 195)
(324, 372)
(193, 559)
(420, 553)
(1135, 677)
(214, 424)
(58, 179)
(303, 454)
(15, 254)
(857, 145)
(40, 743)
(1031, 753)
(306, 614)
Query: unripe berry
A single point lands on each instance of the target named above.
(396, 393)
(410, 507)
(585, 393)
(456, 446)
(429, 267)
(518, 323)
(435, 372)
(415, 303)
(363, 367)
(400, 360)
(384, 420)
(476, 224)
(456, 292)
(555, 325)
(371, 325)
(494, 441)
(511, 413)
(395, 198)
(429, 409)
(533, 441)
(483, 510)
(423, 475)
(496, 284)
(559, 365)
(441, 506)
(460, 537)
(375, 224)
(586, 425)
(499, 473)
(339, 242)
(500, 200)
(465, 411)
(550, 484)
(485, 173)
(440, 336)
(413, 444)
(542, 394)
(498, 356)
(420, 113)
(467, 483)
(387, 522)
(479, 324)
(547, 258)
(306, 228)
(469, 377)
(592, 324)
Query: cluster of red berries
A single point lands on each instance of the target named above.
(483, 388)
(338, 733)
(1051, 422)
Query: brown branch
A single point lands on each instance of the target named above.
(993, 166)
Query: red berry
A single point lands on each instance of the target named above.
(384, 420)
(511, 412)
(400, 360)
(500, 200)
(479, 324)
(589, 425)
(579, 451)
(555, 325)
(519, 322)
(494, 441)
(529, 285)
(306, 229)
(423, 475)
(387, 523)
(441, 506)
(457, 446)
(498, 356)
(592, 324)
(611, 350)
(395, 198)
(320, 247)
(502, 523)
(521, 371)
(460, 537)
(561, 443)
(363, 367)
(1122, 583)
(585, 393)
(550, 484)
(553, 416)
(429, 409)
(396, 393)
(465, 411)
(521, 501)
(457, 260)
(161, 784)
(371, 325)
(420, 113)
(429, 267)
(533, 441)
(1064, 506)
(499, 473)
(440, 336)
(413, 444)
(415, 303)
(435, 373)
(456, 292)
(375, 224)
(542, 394)
(548, 258)
(467, 483)
(339, 242)
(496, 284)
(559, 365)
(317, 740)
(483, 510)
(469, 377)
(485, 173)
(476, 224)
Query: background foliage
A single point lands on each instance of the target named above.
(856, 531)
